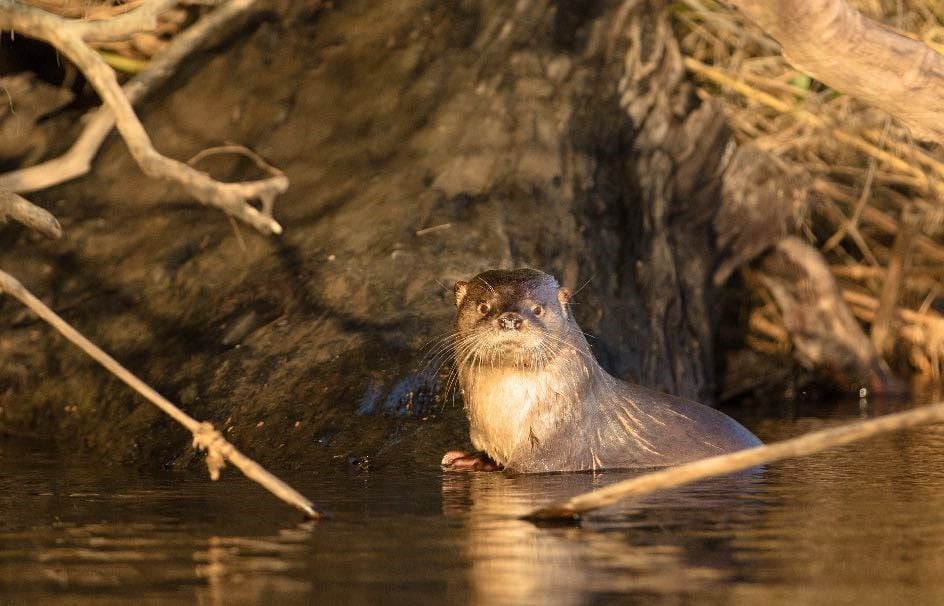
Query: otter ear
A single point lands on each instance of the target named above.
(460, 289)
(563, 297)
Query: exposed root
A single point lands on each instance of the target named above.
(72, 39)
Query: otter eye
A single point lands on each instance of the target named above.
(483, 308)
(537, 310)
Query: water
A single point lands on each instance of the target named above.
(863, 524)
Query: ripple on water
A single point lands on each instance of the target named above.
(863, 524)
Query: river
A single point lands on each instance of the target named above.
(862, 524)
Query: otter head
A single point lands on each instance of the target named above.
(519, 318)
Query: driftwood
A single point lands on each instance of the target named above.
(71, 38)
(836, 44)
(811, 443)
(205, 436)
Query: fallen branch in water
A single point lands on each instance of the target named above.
(205, 436)
(804, 445)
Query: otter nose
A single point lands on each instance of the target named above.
(510, 321)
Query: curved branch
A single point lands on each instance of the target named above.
(21, 210)
(836, 44)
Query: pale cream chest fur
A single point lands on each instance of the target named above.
(508, 410)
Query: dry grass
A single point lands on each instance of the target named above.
(872, 181)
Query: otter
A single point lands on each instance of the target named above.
(538, 401)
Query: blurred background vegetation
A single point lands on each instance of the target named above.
(875, 194)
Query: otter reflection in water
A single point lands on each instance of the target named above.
(538, 401)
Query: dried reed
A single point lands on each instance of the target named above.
(871, 179)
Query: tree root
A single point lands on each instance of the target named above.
(21, 210)
(71, 37)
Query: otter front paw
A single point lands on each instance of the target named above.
(456, 460)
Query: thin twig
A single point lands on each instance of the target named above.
(933, 273)
(925, 245)
(433, 229)
(830, 209)
(907, 150)
(205, 436)
(870, 303)
(804, 445)
(863, 197)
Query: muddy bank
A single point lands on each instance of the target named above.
(423, 145)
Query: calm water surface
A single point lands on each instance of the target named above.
(862, 524)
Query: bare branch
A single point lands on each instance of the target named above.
(232, 198)
(99, 123)
(17, 208)
(204, 435)
(836, 44)
(811, 443)
(139, 19)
